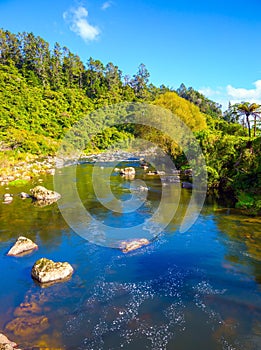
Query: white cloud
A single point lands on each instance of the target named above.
(106, 5)
(248, 95)
(208, 91)
(77, 18)
(224, 95)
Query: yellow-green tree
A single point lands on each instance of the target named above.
(183, 109)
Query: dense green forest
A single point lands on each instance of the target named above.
(44, 91)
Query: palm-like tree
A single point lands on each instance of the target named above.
(249, 110)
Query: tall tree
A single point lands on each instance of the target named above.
(248, 110)
(140, 81)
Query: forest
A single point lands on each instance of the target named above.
(44, 91)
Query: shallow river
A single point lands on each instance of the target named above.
(199, 289)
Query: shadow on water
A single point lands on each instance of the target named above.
(195, 290)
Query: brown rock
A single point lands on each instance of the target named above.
(25, 309)
(28, 326)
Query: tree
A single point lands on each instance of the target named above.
(248, 110)
(139, 83)
(205, 105)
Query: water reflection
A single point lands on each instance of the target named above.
(244, 244)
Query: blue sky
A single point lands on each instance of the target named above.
(213, 46)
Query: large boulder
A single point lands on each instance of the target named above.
(42, 193)
(23, 245)
(46, 271)
(127, 246)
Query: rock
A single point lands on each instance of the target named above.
(27, 308)
(24, 195)
(128, 171)
(22, 245)
(28, 326)
(44, 203)
(187, 185)
(145, 167)
(8, 198)
(5, 343)
(133, 245)
(42, 193)
(6, 347)
(45, 270)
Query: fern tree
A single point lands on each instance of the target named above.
(248, 110)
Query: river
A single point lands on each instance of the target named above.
(198, 289)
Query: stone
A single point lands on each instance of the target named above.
(45, 271)
(8, 198)
(5, 343)
(22, 245)
(127, 246)
(128, 171)
(6, 347)
(28, 326)
(27, 308)
(42, 193)
(24, 195)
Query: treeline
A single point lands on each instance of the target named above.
(59, 68)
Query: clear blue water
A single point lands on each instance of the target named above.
(194, 290)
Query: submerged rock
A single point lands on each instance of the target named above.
(45, 270)
(28, 326)
(26, 309)
(127, 246)
(42, 193)
(22, 245)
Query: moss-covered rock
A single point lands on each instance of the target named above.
(46, 271)
(42, 193)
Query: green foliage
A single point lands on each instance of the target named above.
(111, 138)
(18, 182)
(249, 203)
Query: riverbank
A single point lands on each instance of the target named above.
(19, 172)
(22, 171)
